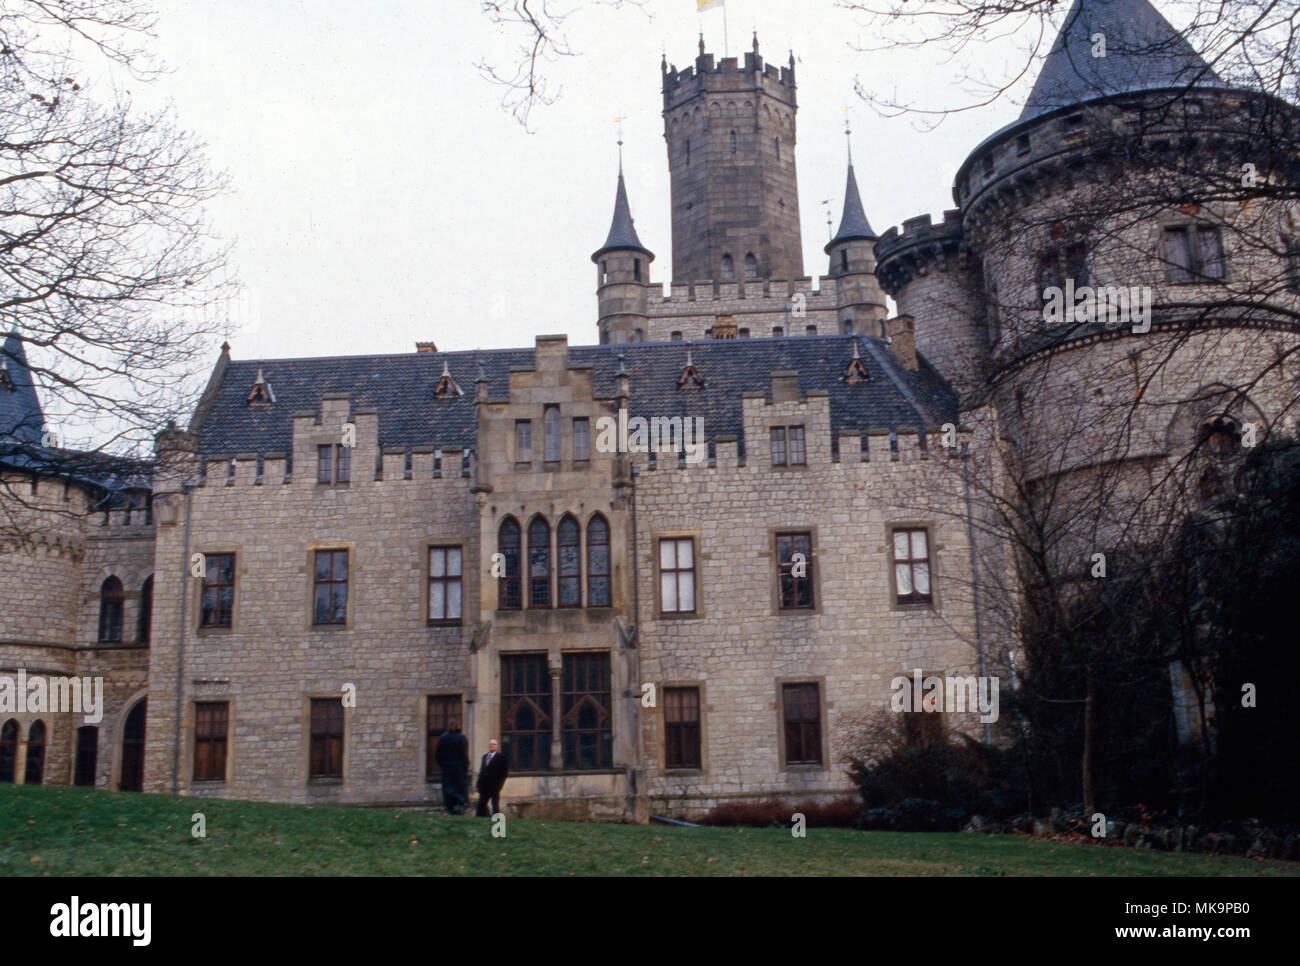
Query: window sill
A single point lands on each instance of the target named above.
(453, 622)
(680, 616)
(565, 772)
(323, 782)
(208, 782)
(329, 627)
(805, 768)
(216, 630)
(683, 772)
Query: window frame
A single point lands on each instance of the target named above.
(523, 442)
(543, 700)
(572, 696)
(445, 579)
(784, 570)
(112, 610)
(552, 443)
(1191, 231)
(432, 771)
(913, 600)
(694, 729)
(607, 599)
(818, 729)
(678, 539)
(507, 579)
(217, 586)
(331, 581)
(534, 581)
(211, 741)
(324, 740)
(581, 453)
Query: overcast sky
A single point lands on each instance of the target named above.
(381, 195)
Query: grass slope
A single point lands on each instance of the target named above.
(55, 831)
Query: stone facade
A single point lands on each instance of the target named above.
(629, 622)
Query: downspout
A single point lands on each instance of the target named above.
(974, 575)
(188, 487)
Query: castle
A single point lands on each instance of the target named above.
(339, 555)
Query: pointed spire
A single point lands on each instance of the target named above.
(1142, 52)
(622, 230)
(21, 418)
(853, 222)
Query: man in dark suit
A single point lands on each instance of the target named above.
(452, 756)
(491, 776)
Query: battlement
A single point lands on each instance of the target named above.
(772, 290)
(900, 255)
(727, 75)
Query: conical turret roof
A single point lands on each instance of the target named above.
(622, 230)
(1142, 52)
(21, 419)
(853, 222)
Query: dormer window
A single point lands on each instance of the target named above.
(446, 387)
(261, 393)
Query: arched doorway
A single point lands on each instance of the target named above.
(8, 749)
(132, 778)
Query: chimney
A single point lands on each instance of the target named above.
(426, 347)
(902, 339)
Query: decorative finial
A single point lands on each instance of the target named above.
(755, 41)
(701, 43)
(619, 121)
(622, 364)
(690, 356)
(482, 371)
(848, 139)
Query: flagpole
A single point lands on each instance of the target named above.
(726, 44)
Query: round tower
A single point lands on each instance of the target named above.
(622, 276)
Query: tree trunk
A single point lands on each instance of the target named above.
(1089, 740)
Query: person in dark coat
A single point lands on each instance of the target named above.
(491, 776)
(452, 756)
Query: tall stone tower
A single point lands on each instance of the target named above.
(731, 137)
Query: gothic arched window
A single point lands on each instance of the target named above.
(568, 548)
(751, 266)
(8, 750)
(35, 754)
(733, 142)
(110, 610)
(539, 563)
(508, 597)
(598, 562)
(728, 269)
(1220, 438)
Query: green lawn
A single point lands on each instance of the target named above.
(76, 831)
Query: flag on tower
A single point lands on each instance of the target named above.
(702, 5)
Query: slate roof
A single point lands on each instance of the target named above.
(400, 388)
(622, 230)
(21, 419)
(1143, 52)
(853, 222)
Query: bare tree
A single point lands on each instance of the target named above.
(109, 281)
